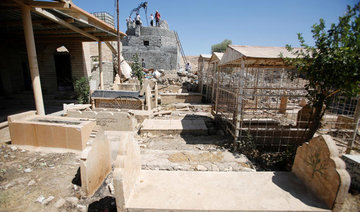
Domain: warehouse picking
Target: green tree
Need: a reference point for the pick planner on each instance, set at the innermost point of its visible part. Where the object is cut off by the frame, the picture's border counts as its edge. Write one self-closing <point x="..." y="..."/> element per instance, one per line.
<point x="220" y="47"/>
<point x="82" y="90"/>
<point x="136" y="68"/>
<point x="332" y="66"/>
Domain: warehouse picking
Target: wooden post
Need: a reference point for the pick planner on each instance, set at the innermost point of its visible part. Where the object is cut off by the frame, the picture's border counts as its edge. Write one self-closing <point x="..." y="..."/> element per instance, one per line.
<point x="240" y="102"/>
<point x="32" y="57"/>
<point x="217" y="92"/>
<point x="201" y="76"/>
<point x="156" y="95"/>
<point x="101" y="74"/>
<point x="118" y="39"/>
<point x="213" y="83"/>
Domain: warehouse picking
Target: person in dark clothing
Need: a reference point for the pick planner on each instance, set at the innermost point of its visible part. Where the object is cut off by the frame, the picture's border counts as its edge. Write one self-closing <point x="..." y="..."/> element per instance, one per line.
<point x="143" y="63"/>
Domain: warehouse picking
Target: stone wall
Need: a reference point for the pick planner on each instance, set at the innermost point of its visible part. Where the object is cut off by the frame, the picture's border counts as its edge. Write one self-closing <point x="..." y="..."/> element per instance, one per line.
<point x="171" y="98"/>
<point x="158" y="47"/>
<point x="14" y="68"/>
<point x="108" y="74"/>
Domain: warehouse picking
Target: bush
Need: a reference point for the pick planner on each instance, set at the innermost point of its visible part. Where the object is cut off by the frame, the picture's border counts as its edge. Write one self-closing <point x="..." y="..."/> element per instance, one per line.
<point x="221" y="47"/>
<point x="82" y="90"/>
<point x="137" y="70"/>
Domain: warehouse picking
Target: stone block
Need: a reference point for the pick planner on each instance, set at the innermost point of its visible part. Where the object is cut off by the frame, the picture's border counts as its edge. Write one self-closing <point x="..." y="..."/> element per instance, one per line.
<point x="51" y="131"/>
<point x="95" y="163"/>
<point x="319" y="167"/>
<point x="21" y="116"/>
<point x="304" y="115"/>
<point x="345" y="122"/>
<point x="127" y="173"/>
<point x="4" y="132"/>
<point x="283" y="104"/>
<point x="74" y="114"/>
<point x="171" y="98"/>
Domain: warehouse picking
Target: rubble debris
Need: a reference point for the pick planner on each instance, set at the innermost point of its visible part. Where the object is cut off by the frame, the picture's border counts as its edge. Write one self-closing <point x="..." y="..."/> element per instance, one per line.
<point x="59" y="203"/>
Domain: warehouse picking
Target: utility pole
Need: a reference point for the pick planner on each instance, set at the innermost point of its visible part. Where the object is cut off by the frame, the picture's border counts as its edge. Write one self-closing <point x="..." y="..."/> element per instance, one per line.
<point x="118" y="39"/>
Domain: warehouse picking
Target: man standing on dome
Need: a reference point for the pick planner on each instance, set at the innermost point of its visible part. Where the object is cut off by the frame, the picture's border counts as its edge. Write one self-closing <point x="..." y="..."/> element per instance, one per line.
<point x="157" y="18"/>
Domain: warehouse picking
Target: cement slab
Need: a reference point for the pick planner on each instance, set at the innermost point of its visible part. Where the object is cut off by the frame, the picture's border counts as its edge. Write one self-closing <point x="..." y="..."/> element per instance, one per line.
<point x="355" y="158"/>
<point x="225" y="191"/>
<point x="183" y="126"/>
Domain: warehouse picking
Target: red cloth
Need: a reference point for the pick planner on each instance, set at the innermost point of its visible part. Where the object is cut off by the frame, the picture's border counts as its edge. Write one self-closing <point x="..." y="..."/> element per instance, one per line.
<point x="157" y="15"/>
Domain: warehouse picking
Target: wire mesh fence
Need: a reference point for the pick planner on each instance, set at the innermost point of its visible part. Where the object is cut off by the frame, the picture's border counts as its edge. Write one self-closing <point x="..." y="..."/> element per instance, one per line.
<point x="268" y="107"/>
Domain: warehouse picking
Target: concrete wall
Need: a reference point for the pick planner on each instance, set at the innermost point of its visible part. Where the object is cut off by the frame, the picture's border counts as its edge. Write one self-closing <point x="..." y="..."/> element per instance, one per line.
<point x="108" y="74"/>
<point x="162" y="51"/>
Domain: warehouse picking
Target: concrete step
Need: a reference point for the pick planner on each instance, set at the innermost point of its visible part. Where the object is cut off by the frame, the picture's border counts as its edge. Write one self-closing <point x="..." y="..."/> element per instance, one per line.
<point x="174" y="127"/>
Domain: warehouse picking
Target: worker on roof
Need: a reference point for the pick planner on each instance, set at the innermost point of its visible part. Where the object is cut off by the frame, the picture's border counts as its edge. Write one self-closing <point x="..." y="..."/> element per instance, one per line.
<point x="157" y="18"/>
<point x="151" y="20"/>
<point x="138" y="19"/>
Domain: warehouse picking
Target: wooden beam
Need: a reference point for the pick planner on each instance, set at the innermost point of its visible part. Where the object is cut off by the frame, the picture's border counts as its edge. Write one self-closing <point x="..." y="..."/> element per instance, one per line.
<point x="113" y="50"/>
<point x="58" y="20"/>
<point x="69" y="20"/>
<point x="66" y="35"/>
<point x="49" y="5"/>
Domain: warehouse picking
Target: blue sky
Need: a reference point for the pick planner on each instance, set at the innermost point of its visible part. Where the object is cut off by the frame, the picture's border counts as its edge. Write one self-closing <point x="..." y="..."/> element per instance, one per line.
<point x="202" y="23"/>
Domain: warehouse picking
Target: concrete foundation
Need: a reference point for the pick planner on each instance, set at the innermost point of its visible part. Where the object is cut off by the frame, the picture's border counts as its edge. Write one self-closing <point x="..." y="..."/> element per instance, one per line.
<point x="141" y="190"/>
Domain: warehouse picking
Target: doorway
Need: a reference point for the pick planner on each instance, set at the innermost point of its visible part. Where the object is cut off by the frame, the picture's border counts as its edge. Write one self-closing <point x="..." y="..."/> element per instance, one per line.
<point x="63" y="69"/>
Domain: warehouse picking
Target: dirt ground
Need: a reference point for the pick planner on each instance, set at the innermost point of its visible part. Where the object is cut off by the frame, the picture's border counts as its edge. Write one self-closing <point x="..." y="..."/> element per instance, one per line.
<point x="32" y="180"/>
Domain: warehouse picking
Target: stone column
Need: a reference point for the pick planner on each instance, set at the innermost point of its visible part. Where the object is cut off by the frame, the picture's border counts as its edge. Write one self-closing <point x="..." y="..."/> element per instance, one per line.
<point x="32" y="57"/>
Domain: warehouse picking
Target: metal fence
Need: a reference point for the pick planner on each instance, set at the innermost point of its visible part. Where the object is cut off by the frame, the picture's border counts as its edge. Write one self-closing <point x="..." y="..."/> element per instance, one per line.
<point x="264" y="106"/>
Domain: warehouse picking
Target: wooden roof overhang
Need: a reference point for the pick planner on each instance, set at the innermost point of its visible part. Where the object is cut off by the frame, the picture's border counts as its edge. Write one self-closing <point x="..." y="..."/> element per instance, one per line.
<point x="53" y="21"/>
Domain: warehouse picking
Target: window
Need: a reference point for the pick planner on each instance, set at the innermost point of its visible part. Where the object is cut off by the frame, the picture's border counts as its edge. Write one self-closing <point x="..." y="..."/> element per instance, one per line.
<point x="146" y="43"/>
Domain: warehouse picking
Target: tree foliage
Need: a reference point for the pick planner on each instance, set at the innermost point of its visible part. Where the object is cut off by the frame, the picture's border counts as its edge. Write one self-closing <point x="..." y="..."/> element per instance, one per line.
<point x="221" y="47"/>
<point x="332" y="66"/>
<point x="82" y="90"/>
<point x="136" y="68"/>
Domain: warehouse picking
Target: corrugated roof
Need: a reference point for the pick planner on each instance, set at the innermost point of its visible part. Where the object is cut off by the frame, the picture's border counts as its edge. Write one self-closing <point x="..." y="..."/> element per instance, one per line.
<point x="262" y="51"/>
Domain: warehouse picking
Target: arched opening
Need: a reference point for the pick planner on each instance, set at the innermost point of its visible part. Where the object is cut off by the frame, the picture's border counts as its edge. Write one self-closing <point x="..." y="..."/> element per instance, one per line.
<point x="63" y="69"/>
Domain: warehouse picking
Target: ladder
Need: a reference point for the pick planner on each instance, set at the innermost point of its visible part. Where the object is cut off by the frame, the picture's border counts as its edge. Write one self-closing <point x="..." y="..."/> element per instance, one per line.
<point x="180" y="47"/>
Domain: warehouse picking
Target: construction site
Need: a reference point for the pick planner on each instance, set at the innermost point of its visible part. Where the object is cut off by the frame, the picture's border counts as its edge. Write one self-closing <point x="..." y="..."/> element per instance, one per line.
<point x="230" y="134"/>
